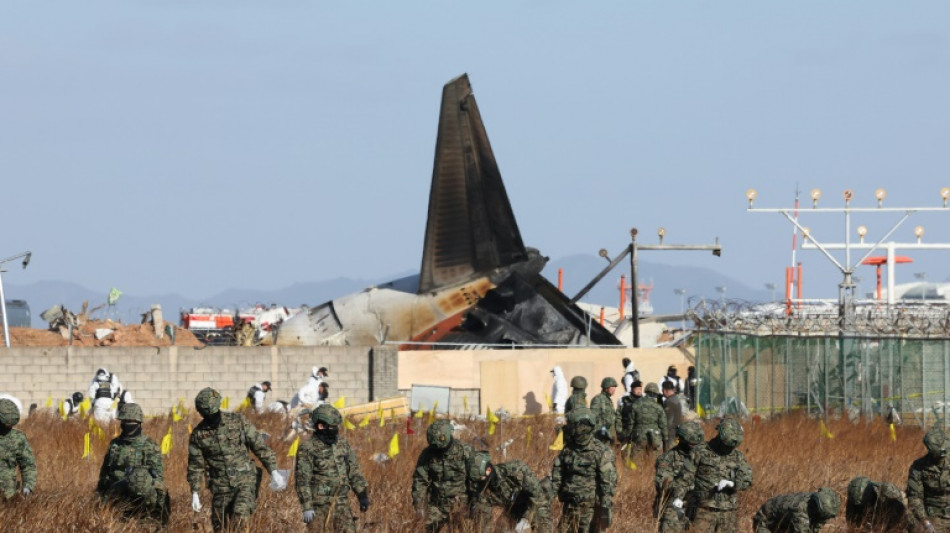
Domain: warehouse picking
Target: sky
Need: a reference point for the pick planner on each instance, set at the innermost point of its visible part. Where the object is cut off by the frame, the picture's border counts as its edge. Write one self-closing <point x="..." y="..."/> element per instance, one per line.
<point x="190" y="147"/>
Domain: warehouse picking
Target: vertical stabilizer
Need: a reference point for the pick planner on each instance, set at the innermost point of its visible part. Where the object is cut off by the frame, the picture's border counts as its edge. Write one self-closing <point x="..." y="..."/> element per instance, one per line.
<point x="471" y="228"/>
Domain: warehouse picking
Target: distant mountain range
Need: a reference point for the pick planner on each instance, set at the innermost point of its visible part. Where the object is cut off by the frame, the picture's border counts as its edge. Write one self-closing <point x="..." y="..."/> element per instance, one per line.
<point x="578" y="271"/>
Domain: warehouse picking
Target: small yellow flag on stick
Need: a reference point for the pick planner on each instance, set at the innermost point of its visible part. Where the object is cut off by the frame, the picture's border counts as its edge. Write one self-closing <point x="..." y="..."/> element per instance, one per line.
<point x="421" y="412"/>
<point x="86" y="452"/>
<point x="394" y="446"/>
<point x="167" y="442"/>
<point x="347" y="424"/>
<point x="465" y="403"/>
<point x="629" y="462"/>
<point x="340" y="403"/>
<point x="700" y="411"/>
<point x="62" y="410"/>
<point x="558" y="442"/>
<point x="49" y="401"/>
<point x="893" y="433"/>
<point x="824" y="430"/>
<point x="432" y="412"/>
<point x="225" y="403"/>
<point x="492" y="420"/>
<point x="92" y="422"/>
<point x="381" y="415"/>
<point x="84" y="407"/>
<point x="292" y="452"/>
<point x="175" y="416"/>
<point x="245" y="404"/>
<point x="547" y="400"/>
<point x="364" y="422"/>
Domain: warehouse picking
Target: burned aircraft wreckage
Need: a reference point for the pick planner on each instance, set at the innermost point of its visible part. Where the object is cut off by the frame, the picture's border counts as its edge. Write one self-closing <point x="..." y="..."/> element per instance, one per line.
<point x="478" y="285"/>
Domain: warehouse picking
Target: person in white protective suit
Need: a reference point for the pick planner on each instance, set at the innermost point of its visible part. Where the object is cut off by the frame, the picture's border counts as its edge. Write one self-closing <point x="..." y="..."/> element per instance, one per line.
<point x="257" y="394"/>
<point x="630" y="375"/>
<point x="104" y="390"/>
<point x="309" y="394"/>
<point x="559" y="391"/>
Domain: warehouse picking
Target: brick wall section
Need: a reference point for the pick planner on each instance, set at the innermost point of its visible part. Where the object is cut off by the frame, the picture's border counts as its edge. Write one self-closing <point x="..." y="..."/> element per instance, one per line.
<point x="385" y="369"/>
<point x="158" y="377"/>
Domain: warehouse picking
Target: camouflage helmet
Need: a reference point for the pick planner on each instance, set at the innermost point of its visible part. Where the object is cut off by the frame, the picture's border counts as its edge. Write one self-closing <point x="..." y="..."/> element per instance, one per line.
<point x="936" y="442"/>
<point x="652" y="388"/>
<point x="130" y="411"/>
<point x="9" y="414"/>
<point x="690" y="432"/>
<point x="439" y="434"/>
<point x="856" y="489"/>
<point x="581" y="415"/>
<point x="477" y="464"/>
<point x="140" y="481"/>
<point x="825" y="503"/>
<point x="730" y="432"/>
<point x="208" y="402"/>
<point x="891" y="492"/>
<point x="606" y="383"/>
<point x="327" y="415"/>
<point x="578" y="382"/>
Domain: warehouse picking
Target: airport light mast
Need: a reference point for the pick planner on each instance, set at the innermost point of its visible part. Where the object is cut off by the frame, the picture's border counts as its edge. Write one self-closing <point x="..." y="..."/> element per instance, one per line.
<point x="846" y="305"/>
<point x="3" y="302"/>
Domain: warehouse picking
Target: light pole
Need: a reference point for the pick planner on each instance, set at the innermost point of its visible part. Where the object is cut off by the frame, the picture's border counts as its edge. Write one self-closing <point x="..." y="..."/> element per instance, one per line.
<point x="3" y="302"/>
<point x="682" y="294"/>
<point x="771" y="287"/>
<point x="721" y="289"/>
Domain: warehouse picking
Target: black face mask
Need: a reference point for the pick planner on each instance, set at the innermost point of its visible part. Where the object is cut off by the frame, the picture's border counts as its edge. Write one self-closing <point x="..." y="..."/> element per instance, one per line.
<point x="213" y="419"/>
<point x="4" y="429"/>
<point x="328" y="434"/>
<point x="131" y="429"/>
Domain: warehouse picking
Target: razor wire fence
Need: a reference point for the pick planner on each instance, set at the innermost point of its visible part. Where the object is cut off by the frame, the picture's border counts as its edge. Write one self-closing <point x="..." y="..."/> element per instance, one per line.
<point x="896" y="364"/>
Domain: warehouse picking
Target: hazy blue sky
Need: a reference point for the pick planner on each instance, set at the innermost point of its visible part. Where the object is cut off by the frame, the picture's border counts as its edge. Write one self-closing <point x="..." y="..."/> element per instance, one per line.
<point x="193" y="146"/>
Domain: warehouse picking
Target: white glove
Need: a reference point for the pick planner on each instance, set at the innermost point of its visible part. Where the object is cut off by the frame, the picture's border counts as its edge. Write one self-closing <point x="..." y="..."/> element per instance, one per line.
<point x="278" y="480"/>
<point x="724" y="483"/>
<point x="678" y="503"/>
<point x="522" y="525"/>
<point x="308" y="516"/>
<point x="195" y="502"/>
<point x="27" y="491"/>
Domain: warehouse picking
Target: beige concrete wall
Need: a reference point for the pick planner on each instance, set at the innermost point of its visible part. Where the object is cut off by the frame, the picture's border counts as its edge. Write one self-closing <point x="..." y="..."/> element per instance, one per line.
<point x="518" y="380"/>
<point x="158" y="377"/>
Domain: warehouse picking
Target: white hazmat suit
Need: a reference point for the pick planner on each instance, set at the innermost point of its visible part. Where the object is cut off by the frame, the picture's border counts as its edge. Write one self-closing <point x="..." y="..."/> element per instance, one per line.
<point x="559" y="391"/>
<point x="309" y="394"/>
<point x="103" y="391"/>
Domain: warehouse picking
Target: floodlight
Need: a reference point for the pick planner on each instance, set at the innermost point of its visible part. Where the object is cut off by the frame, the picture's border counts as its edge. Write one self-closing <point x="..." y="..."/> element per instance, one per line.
<point x="661" y="232"/>
<point x="603" y="253"/>
<point x="751" y="194"/>
<point x="806" y="232"/>
<point x="862" y="231"/>
<point x="633" y="233"/>
<point x="880" y="194"/>
<point x="815" y="196"/>
<point x="919" y="232"/>
<point x="848" y="195"/>
<point x="945" y="194"/>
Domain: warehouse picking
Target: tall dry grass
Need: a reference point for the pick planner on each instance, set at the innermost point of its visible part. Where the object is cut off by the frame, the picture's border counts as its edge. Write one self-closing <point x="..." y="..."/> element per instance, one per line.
<point x="787" y="454"/>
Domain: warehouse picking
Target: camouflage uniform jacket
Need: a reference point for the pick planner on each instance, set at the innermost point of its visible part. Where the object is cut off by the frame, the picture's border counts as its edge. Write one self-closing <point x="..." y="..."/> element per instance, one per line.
<point x="676" y="408"/>
<point x="15" y="451"/>
<point x="127" y="453"/>
<point x="787" y="512"/>
<point x="625" y="417"/>
<point x="222" y="451"/>
<point x="577" y="399"/>
<point x="326" y="471"/>
<point x="649" y="415"/>
<point x="603" y="407"/>
<point x="711" y="468"/>
<point x="928" y="489"/>
<point x="440" y="476"/>
<point x="513" y="487"/>
<point x="675" y="474"/>
<point x="585" y="475"/>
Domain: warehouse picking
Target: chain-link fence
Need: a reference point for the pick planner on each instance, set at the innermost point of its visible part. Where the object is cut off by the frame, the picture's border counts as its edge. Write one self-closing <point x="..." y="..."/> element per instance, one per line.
<point x="765" y="370"/>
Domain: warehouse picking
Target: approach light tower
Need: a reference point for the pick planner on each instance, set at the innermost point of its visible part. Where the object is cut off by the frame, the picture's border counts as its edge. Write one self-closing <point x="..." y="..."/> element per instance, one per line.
<point x="3" y="302"/>
<point x="846" y="305"/>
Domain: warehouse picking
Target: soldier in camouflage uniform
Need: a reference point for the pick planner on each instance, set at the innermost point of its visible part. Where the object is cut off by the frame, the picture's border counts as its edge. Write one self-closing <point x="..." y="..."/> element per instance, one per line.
<point x="578" y="394"/>
<point x="584" y="477"/>
<point x="675" y="474"/>
<point x="721" y="472"/>
<point x="133" y="472"/>
<point x="219" y="447"/>
<point x="511" y="486"/>
<point x="15" y="452"/>
<point x="648" y="421"/>
<point x="625" y="411"/>
<point x="874" y="506"/>
<point x="928" y="485"/>
<point x="327" y="470"/>
<point x="603" y="407"/>
<point x="439" y="482"/>
<point x="798" y="512"/>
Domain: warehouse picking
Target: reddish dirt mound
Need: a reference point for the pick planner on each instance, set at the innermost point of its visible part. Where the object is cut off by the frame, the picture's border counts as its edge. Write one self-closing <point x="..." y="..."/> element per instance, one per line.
<point x="123" y="335"/>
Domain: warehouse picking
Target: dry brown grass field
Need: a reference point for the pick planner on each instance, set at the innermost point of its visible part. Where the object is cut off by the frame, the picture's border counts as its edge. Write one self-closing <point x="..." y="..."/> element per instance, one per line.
<point x="787" y="454"/>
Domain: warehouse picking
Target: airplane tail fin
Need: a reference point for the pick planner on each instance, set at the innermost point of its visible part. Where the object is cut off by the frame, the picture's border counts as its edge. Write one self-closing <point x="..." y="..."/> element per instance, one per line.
<point x="471" y="227"/>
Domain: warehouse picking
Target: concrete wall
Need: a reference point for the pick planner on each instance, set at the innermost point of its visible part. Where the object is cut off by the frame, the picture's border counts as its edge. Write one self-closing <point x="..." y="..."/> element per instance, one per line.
<point x="158" y="377"/>
<point x="519" y="380"/>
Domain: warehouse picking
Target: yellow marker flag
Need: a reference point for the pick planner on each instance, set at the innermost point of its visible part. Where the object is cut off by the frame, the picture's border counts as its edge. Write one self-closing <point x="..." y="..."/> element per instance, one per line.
<point x="86" y="452"/>
<point x="340" y="403"/>
<point x="225" y="403"/>
<point x="99" y="433"/>
<point x="527" y="436"/>
<point x="700" y="411"/>
<point x="167" y="442"/>
<point x="629" y="462"/>
<point x="380" y="415"/>
<point x="421" y="412"/>
<point x="492" y="420"/>
<point x="465" y="402"/>
<point x="824" y="430"/>
<point x="432" y="412"/>
<point x="189" y="429"/>
<point x="347" y="424"/>
<point x="292" y="452"/>
<point x="62" y="410"/>
<point x="547" y="400"/>
<point x="394" y="446"/>
<point x="246" y="404"/>
<point x="84" y="407"/>
<point x="92" y="423"/>
<point x="893" y="433"/>
<point x="115" y="404"/>
<point x="49" y="401"/>
<point x="175" y="416"/>
<point x="364" y="422"/>
<point x="558" y="442"/>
